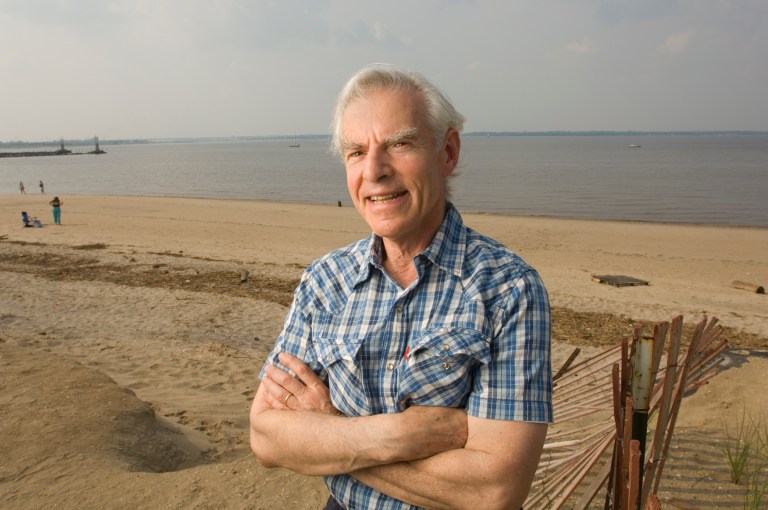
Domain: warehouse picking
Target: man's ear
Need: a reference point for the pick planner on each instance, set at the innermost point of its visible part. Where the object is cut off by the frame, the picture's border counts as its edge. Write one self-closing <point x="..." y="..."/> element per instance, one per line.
<point x="451" y="149"/>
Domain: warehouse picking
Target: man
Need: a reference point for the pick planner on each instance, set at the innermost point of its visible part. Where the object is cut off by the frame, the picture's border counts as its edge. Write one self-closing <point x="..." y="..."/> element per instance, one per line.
<point x="421" y="354"/>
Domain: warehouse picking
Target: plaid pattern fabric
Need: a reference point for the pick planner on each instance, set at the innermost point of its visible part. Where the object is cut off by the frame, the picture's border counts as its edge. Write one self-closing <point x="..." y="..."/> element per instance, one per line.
<point x="473" y="331"/>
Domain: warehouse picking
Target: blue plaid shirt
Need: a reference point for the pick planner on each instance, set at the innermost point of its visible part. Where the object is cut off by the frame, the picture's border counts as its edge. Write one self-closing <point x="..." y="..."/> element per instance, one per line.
<point x="472" y="331"/>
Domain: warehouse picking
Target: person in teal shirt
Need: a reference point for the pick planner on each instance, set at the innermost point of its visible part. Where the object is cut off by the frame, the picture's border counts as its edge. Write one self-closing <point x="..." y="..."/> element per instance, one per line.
<point x="56" y="204"/>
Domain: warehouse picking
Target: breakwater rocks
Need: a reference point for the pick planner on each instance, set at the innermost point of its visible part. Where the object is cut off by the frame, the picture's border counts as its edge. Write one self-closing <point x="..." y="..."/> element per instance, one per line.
<point x="60" y="152"/>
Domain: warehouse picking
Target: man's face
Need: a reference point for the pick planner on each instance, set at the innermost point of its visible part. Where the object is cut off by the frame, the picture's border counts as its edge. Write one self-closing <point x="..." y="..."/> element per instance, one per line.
<point x="395" y="174"/>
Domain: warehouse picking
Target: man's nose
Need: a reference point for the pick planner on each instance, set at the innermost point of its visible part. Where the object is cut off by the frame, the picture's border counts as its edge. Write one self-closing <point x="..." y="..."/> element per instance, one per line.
<point x="378" y="165"/>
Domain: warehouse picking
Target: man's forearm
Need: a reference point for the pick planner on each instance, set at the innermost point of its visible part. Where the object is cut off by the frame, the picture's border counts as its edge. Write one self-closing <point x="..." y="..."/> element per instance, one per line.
<point x="320" y="444"/>
<point x="445" y="481"/>
<point x="316" y="444"/>
<point x="464" y="478"/>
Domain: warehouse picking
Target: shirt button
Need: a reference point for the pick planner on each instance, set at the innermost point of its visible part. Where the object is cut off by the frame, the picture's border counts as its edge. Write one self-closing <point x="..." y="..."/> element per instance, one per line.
<point x="446" y="347"/>
<point x="390" y="366"/>
<point x="446" y="366"/>
<point x="399" y="309"/>
<point x="328" y="359"/>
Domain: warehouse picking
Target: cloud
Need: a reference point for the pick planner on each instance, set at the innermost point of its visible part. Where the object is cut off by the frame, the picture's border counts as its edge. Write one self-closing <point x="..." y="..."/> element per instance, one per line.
<point x="677" y="43"/>
<point x="582" y="47"/>
<point x="383" y="34"/>
<point x="380" y="31"/>
<point x="474" y="66"/>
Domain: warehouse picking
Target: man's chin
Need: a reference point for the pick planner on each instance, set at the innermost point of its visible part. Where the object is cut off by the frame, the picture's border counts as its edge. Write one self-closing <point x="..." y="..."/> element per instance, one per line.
<point x="388" y="229"/>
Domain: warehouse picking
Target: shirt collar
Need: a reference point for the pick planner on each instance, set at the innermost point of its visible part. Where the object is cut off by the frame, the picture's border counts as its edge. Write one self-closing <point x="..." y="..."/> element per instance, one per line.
<point x="446" y="250"/>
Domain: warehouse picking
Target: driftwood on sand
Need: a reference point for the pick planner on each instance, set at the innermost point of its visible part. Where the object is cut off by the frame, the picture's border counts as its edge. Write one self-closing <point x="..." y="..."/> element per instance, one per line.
<point x="751" y="287"/>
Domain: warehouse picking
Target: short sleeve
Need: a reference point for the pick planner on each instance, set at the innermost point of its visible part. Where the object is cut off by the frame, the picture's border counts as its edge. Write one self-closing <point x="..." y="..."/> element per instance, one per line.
<point x="517" y="382"/>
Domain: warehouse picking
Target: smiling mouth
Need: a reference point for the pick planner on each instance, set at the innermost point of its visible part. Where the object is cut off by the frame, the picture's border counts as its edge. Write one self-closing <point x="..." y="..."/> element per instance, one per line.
<point x="385" y="198"/>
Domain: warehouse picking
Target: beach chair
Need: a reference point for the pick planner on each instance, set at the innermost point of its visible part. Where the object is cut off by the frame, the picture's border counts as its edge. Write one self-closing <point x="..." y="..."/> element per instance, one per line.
<point x="25" y="219"/>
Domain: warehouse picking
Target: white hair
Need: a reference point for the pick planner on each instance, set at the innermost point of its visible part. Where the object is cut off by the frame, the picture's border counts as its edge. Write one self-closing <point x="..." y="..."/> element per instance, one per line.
<point x="442" y="115"/>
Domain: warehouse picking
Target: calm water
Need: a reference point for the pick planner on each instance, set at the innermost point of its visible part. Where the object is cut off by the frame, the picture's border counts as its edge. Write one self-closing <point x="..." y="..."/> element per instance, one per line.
<point x="681" y="179"/>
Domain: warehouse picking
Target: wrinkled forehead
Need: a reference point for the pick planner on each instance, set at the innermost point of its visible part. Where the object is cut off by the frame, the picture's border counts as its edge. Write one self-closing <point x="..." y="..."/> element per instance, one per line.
<point x="392" y="108"/>
<point x="405" y="97"/>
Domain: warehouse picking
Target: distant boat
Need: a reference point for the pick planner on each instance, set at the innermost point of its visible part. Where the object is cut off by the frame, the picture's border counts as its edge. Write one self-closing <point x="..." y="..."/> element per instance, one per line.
<point x="634" y="146"/>
<point x="295" y="146"/>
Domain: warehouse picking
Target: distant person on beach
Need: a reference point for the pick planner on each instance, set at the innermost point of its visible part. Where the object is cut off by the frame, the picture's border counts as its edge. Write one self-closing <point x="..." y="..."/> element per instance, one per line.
<point x="56" y="204"/>
<point x="42" y="188"/>
<point x="21" y="188"/>
<point x="421" y="354"/>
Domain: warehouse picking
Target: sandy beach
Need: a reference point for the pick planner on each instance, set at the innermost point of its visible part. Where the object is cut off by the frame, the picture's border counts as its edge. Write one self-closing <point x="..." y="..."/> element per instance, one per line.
<point x="131" y="338"/>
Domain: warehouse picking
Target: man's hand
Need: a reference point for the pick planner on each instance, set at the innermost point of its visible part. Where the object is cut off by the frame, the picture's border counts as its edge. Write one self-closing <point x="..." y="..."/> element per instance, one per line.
<point x="307" y="393"/>
<point x="425" y="431"/>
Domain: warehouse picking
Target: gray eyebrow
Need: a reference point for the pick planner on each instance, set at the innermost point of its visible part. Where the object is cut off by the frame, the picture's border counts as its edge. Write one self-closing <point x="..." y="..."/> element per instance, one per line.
<point x="410" y="133"/>
<point x="398" y="136"/>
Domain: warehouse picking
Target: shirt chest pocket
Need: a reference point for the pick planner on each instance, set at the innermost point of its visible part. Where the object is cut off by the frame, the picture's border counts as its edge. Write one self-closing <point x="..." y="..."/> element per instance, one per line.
<point x="439" y="370"/>
<point x="339" y="355"/>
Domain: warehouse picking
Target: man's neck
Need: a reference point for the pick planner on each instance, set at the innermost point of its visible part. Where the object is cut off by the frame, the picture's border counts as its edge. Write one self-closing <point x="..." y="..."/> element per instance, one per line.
<point x="399" y="266"/>
<point x="398" y="254"/>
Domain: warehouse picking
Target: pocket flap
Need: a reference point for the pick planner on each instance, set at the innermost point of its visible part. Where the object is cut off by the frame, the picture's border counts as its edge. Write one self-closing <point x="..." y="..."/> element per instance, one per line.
<point x="330" y="351"/>
<point x="454" y="342"/>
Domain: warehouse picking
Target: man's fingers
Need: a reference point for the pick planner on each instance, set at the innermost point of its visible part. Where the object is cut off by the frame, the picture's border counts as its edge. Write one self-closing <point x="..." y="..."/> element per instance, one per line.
<point x="299" y="368"/>
<point x="274" y="393"/>
<point x="285" y="380"/>
<point x="311" y="392"/>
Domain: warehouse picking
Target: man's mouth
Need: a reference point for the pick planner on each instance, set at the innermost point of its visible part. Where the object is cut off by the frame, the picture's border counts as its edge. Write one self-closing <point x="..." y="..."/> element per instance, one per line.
<point x="384" y="198"/>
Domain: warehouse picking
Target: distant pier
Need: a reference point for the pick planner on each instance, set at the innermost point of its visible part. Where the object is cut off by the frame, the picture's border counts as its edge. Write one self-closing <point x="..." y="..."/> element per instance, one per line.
<point x="61" y="151"/>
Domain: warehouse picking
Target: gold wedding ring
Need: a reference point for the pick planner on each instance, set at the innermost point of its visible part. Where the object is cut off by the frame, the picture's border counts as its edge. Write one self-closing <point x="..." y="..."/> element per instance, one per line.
<point x="285" y="400"/>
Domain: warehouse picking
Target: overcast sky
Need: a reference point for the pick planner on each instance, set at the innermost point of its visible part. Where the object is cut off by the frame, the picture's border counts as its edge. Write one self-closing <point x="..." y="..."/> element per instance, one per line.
<point x="177" y="68"/>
